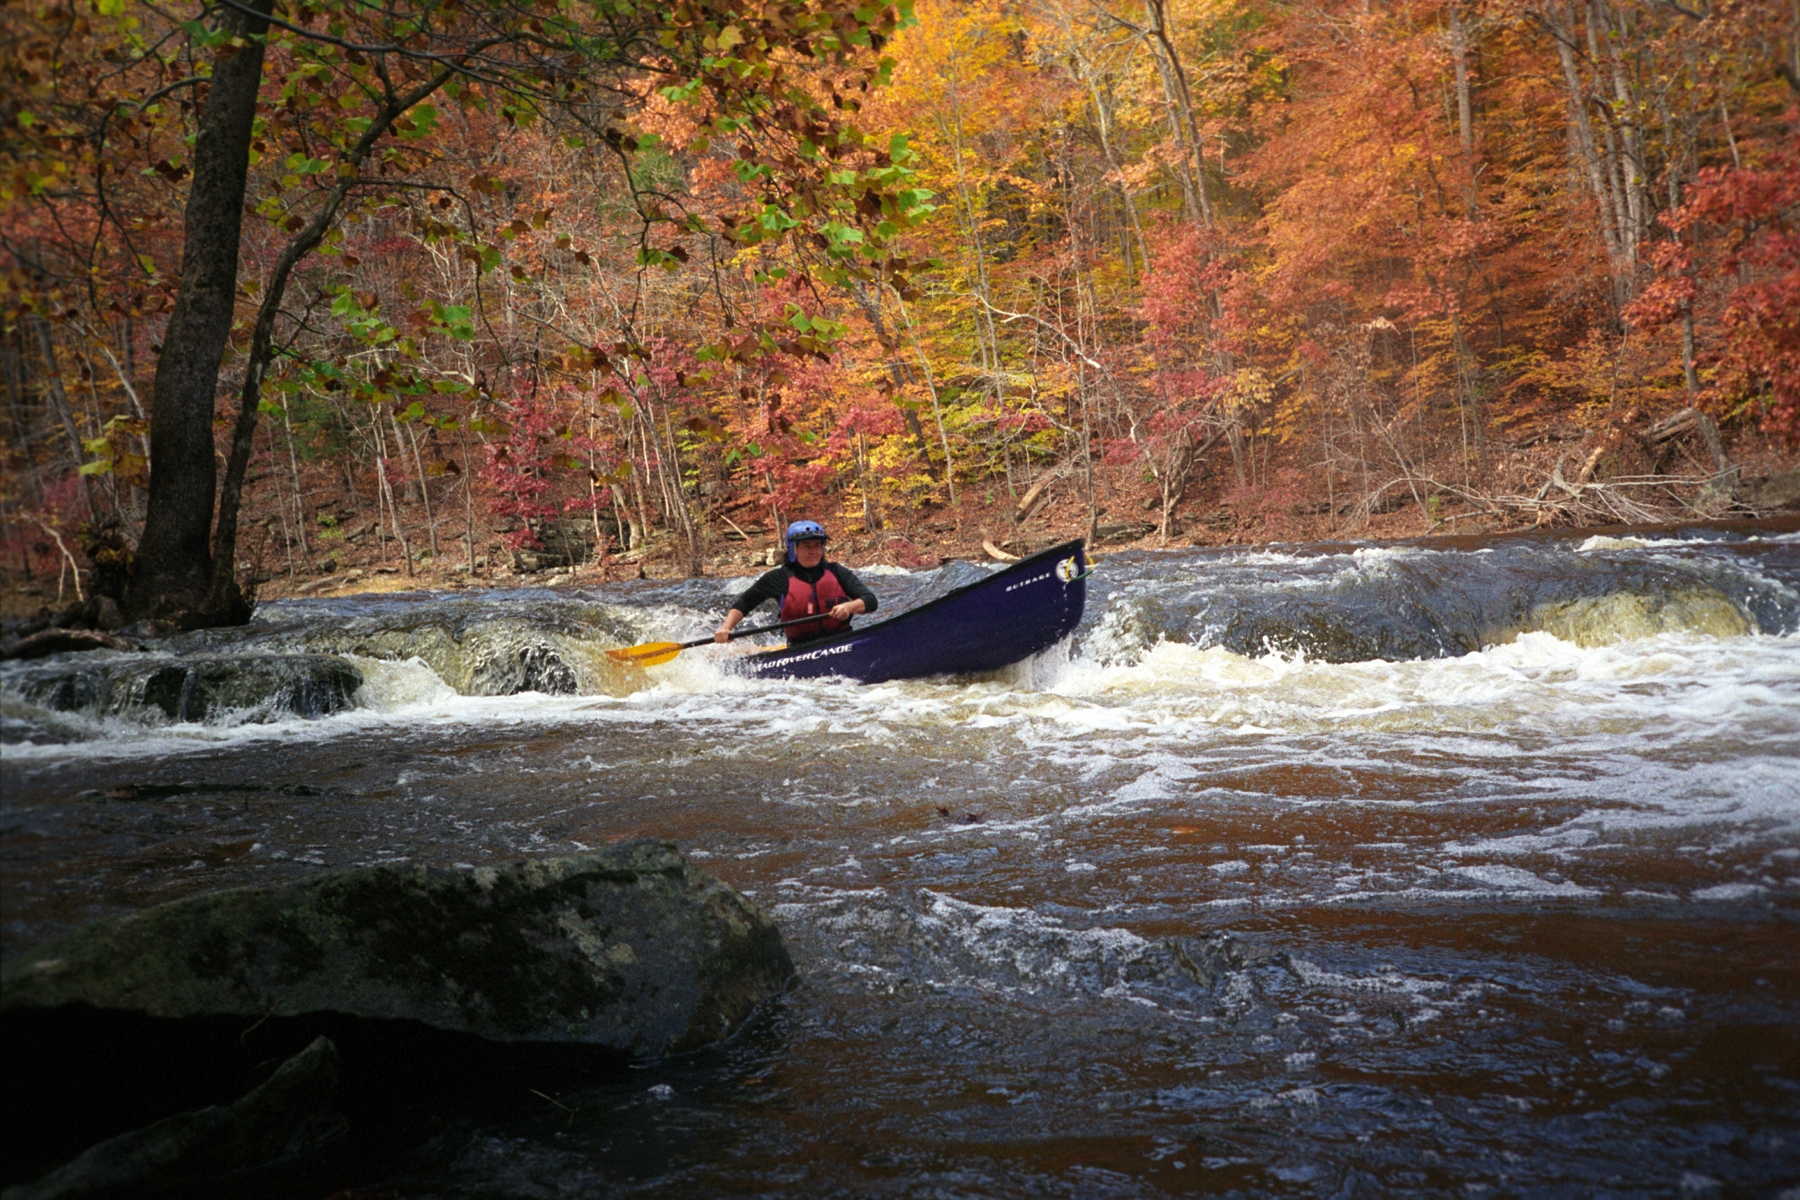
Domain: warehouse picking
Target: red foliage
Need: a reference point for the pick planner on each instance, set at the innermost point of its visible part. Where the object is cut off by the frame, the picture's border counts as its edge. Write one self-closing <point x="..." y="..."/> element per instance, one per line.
<point x="529" y="471"/>
<point x="1742" y="224"/>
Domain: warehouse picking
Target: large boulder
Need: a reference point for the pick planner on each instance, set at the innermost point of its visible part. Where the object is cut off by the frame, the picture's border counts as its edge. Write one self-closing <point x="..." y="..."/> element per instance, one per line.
<point x="631" y="950"/>
<point x="156" y="1030"/>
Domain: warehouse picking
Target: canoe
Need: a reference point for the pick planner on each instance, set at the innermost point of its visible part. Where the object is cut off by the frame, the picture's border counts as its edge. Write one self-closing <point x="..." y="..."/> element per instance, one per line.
<point x="983" y="626"/>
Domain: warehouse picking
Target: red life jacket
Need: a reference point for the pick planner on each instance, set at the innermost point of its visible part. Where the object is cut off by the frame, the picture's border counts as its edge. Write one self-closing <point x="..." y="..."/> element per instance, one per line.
<point x="803" y="599"/>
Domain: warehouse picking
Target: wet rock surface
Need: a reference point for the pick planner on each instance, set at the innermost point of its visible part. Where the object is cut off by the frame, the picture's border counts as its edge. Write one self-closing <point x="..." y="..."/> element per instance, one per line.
<point x="630" y="949"/>
<point x="423" y="978"/>
<point x="250" y="687"/>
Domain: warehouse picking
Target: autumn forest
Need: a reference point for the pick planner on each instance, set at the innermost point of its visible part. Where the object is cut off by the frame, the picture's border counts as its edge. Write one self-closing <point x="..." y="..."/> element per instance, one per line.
<point x="475" y="286"/>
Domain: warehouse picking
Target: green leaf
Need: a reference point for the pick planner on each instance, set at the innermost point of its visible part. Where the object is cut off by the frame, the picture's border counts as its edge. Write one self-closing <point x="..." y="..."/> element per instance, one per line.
<point x="420" y="121"/>
<point x="458" y="321"/>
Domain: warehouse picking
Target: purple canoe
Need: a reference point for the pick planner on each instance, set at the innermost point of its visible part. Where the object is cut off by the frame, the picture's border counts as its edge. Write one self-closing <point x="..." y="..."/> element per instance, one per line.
<point x="983" y="626"/>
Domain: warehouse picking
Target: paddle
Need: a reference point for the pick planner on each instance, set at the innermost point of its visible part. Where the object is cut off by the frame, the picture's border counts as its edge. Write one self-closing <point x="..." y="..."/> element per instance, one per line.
<point x="651" y="654"/>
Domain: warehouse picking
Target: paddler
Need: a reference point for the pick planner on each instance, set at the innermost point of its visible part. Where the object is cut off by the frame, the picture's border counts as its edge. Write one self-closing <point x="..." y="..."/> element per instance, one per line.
<point x="806" y="584"/>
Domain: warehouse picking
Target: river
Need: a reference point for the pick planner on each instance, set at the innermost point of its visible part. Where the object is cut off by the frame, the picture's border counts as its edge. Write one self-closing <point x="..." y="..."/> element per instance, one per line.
<point x="1449" y="868"/>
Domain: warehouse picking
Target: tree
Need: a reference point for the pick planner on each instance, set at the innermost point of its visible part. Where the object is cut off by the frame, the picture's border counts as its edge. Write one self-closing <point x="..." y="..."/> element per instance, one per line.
<point x="337" y="95"/>
<point x="173" y="575"/>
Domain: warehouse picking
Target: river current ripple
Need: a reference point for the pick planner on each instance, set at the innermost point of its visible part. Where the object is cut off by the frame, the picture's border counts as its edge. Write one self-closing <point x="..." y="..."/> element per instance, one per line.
<point x="1452" y="868"/>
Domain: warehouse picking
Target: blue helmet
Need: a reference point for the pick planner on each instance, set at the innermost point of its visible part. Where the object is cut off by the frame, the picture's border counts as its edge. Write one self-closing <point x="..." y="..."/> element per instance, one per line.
<point x="801" y="530"/>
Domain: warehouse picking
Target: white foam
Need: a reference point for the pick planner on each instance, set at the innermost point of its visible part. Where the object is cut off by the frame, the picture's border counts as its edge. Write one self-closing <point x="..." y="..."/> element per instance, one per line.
<point x="1731" y="891"/>
<point x="389" y="686"/>
<point x="1516" y="879"/>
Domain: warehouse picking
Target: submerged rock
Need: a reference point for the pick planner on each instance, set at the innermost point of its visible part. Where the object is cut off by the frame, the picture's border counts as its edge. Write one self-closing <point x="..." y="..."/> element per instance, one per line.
<point x="631" y="949"/>
<point x="1606" y="620"/>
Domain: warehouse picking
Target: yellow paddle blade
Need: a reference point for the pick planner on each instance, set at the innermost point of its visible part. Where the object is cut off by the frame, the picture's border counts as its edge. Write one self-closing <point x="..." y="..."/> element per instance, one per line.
<point x="650" y="654"/>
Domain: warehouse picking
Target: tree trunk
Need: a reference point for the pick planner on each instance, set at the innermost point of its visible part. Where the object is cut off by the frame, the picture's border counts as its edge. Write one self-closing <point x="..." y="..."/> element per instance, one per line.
<point x="931" y="390"/>
<point x="870" y="303"/>
<point x="1133" y="240"/>
<point x="385" y="491"/>
<point x="1465" y="105"/>
<point x="287" y="426"/>
<point x="59" y="404"/>
<point x="262" y="334"/>
<point x="412" y="441"/>
<point x="1587" y="149"/>
<point x="1181" y="115"/>
<point x="173" y="573"/>
<point x="970" y="210"/>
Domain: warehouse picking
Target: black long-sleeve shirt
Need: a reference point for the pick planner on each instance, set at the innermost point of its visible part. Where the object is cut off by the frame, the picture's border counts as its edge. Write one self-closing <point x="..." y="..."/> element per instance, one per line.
<point x="773" y="585"/>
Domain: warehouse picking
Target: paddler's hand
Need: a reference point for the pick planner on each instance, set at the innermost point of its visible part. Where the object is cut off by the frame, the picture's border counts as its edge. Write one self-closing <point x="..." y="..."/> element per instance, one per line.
<point x="846" y="610"/>
<point x="722" y="634"/>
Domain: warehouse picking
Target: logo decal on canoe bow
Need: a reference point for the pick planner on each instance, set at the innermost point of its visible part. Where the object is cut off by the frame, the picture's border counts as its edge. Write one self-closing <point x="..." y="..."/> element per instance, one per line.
<point x="812" y="654"/>
<point x="1068" y="570"/>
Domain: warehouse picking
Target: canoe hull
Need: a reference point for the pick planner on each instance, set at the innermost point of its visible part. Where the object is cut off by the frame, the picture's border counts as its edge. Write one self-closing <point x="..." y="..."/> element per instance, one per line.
<point x="989" y="624"/>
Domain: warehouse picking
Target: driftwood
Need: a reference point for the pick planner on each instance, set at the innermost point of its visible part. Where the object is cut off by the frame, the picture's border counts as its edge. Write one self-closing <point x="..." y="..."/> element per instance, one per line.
<point x="1581" y="498"/>
<point x="1035" y="492"/>
<point x="1626" y="499"/>
<point x="996" y="552"/>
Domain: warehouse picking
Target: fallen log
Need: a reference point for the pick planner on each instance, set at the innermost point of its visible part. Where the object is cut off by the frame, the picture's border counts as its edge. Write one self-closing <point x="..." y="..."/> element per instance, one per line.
<point x="1659" y="434"/>
<point x="46" y="642"/>
<point x="1035" y="493"/>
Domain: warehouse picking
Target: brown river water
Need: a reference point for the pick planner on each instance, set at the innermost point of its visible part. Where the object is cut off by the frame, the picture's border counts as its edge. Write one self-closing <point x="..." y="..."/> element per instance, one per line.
<point x="1442" y="869"/>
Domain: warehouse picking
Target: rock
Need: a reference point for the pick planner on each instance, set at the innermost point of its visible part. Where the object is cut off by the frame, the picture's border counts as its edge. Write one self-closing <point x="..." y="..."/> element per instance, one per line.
<point x="260" y="686"/>
<point x="560" y="542"/>
<point x="1124" y="532"/>
<point x="492" y="659"/>
<point x="431" y="983"/>
<point x="287" y="1119"/>
<point x="107" y="614"/>
<point x="535" y="652"/>
<point x="631" y="950"/>
<point x="1777" y="493"/>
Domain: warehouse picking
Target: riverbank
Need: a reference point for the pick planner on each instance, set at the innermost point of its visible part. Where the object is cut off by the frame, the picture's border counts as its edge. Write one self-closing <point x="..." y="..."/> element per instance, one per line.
<point x="1768" y="496"/>
<point x="1530" y="488"/>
